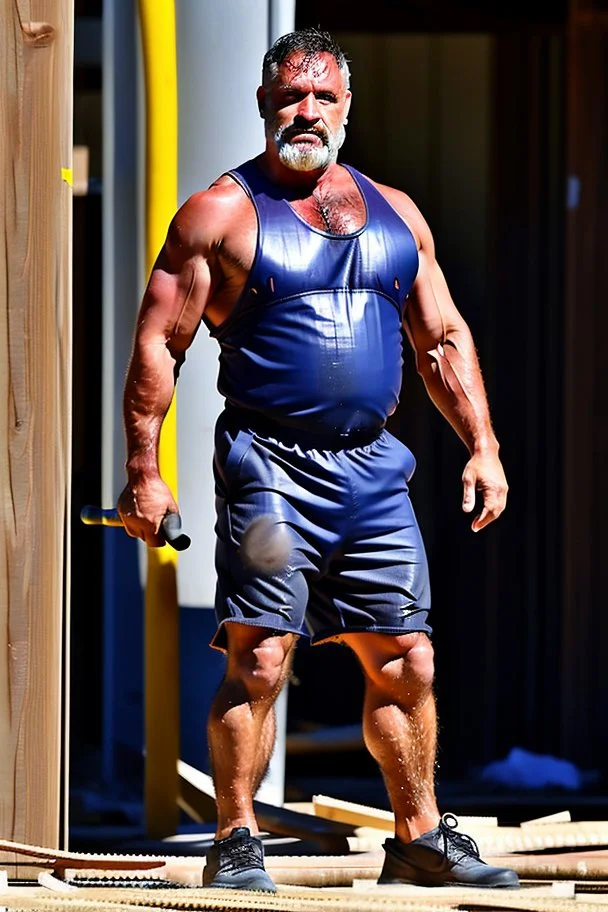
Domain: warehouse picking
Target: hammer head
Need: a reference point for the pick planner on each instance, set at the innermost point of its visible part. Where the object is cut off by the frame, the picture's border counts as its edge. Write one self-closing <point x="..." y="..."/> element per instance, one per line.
<point x="266" y="545"/>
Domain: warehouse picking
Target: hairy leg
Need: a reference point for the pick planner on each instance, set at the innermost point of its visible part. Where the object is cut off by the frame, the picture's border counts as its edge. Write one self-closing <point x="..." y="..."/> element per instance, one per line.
<point x="241" y="726"/>
<point x="400" y="724"/>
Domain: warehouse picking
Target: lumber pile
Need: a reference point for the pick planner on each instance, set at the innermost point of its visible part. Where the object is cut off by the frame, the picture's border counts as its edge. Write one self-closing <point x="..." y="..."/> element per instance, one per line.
<point x="563" y="866"/>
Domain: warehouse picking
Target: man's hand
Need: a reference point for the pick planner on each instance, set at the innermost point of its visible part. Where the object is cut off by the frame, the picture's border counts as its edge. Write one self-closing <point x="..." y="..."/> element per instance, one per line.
<point x="484" y="473"/>
<point x="142" y="508"/>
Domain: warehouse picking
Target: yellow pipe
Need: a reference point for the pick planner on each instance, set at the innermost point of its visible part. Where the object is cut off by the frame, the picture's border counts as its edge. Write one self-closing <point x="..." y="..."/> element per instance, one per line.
<point x="157" y="23"/>
<point x="157" y="19"/>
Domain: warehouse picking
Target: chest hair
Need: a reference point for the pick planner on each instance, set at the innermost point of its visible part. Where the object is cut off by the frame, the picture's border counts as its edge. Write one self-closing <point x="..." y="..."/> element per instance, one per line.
<point x="336" y="213"/>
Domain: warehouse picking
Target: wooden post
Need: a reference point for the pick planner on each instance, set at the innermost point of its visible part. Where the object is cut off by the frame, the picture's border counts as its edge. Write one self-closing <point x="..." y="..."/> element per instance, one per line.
<point x="35" y="393"/>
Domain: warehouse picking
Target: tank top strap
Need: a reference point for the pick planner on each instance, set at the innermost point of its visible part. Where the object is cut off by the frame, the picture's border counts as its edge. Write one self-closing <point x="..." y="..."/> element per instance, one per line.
<point x="377" y="204"/>
<point x="253" y="180"/>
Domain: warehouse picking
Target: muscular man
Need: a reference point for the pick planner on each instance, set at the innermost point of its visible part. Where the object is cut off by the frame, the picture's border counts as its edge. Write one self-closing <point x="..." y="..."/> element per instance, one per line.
<point x="305" y="271"/>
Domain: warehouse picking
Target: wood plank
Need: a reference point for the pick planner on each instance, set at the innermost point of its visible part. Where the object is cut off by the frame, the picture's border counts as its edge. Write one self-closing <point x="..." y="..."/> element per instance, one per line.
<point x="360" y="815"/>
<point x="579" y="834"/>
<point x="355" y="814"/>
<point x="558" y="817"/>
<point x="579" y="866"/>
<point x="35" y="389"/>
<point x="197" y="790"/>
<point x="81" y="170"/>
<point x="303" y="899"/>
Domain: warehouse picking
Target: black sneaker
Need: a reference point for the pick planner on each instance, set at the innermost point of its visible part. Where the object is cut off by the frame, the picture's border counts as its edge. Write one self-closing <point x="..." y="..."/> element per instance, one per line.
<point x="441" y="857"/>
<point x="237" y="863"/>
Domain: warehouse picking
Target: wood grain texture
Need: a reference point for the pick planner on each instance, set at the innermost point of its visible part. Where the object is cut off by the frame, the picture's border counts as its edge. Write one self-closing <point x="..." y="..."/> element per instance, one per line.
<point x="35" y="392"/>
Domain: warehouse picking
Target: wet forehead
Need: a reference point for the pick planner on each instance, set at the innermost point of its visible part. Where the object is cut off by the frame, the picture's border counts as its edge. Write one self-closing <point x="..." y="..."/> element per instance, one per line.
<point x="301" y="69"/>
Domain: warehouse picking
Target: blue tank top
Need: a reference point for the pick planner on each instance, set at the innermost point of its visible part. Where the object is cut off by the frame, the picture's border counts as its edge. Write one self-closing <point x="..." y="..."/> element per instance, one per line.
<point x="315" y="340"/>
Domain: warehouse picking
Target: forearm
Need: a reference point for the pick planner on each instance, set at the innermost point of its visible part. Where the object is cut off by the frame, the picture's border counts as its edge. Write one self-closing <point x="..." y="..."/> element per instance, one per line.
<point x="147" y="396"/>
<point x="452" y="376"/>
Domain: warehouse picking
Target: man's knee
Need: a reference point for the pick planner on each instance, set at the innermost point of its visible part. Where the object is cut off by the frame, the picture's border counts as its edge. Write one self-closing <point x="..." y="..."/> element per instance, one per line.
<point x="401" y="666"/>
<point x="259" y="659"/>
<point x="408" y="673"/>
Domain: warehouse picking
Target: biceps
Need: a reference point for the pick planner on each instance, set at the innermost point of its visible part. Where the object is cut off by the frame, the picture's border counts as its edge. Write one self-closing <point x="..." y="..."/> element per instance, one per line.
<point x="173" y="305"/>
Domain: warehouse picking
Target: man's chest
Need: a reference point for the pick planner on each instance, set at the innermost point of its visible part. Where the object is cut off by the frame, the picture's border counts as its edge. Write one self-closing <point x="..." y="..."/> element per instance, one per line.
<point x="332" y="211"/>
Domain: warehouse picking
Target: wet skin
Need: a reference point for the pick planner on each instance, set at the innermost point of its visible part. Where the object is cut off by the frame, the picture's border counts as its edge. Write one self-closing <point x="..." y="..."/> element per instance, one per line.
<point x="202" y="269"/>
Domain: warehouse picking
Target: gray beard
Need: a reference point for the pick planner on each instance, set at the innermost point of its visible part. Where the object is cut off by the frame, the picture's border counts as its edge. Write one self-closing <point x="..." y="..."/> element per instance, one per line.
<point x="308" y="157"/>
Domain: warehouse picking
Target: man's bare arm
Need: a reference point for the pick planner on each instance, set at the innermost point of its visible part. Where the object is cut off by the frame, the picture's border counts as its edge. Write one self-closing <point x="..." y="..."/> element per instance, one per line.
<point x="179" y="288"/>
<point x="447" y="361"/>
<point x="174" y="291"/>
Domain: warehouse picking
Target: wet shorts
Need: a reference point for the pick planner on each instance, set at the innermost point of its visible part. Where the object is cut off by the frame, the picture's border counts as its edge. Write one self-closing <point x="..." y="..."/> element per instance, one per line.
<point x="357" y="562"/>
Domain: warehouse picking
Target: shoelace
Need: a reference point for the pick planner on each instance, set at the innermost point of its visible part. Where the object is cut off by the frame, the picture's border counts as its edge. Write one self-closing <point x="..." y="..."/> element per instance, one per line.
<point x="241" y="856"/>
<point x="464" y="844"/>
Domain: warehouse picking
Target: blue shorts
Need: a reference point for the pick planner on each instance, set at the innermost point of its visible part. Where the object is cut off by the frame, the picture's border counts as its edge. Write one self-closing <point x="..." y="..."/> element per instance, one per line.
<point x="358" y="562"/>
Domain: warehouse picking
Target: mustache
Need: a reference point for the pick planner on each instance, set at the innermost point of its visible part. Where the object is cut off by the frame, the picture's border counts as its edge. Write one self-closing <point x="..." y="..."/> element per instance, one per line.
<point x="286" y="133"/>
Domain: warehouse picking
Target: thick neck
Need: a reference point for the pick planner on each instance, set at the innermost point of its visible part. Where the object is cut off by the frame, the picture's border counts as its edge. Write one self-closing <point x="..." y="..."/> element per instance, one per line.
<point x="301" y="183"/>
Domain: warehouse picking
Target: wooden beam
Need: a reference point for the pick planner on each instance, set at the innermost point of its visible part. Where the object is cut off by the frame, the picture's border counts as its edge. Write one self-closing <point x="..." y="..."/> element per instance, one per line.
<point x="360" y="815"/>
<point x="355" y="814"/>
<point x="35" y="391"/>
<point x="558" y="817"/>
<point x="197" y="797"/>
<point x="81" y="170"/>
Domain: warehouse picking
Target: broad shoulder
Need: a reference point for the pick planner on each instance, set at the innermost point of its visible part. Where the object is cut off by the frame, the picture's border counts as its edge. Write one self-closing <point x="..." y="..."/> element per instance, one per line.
<point x="409" y="212"/>
<point x="209" y="218"/>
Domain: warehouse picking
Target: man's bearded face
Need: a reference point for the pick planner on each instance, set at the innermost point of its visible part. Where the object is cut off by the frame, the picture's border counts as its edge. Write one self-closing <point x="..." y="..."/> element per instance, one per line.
<point x="304" y="155"/>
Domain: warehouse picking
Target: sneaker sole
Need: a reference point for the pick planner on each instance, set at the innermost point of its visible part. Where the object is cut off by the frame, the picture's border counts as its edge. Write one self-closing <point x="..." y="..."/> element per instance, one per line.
<point x="234" y="887"/>
<point x="239" y="887"/>
<point x="448" y="883"/>
<point x="259" y="883"/>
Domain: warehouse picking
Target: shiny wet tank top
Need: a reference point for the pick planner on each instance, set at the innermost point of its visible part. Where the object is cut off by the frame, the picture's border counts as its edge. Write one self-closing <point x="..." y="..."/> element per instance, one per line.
<point x="315" y="340"/>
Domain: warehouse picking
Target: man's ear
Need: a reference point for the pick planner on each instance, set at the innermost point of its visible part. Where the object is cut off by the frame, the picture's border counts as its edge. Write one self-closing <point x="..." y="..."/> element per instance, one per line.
<point x="261" y="95"/>
<point x="347" y="106"/>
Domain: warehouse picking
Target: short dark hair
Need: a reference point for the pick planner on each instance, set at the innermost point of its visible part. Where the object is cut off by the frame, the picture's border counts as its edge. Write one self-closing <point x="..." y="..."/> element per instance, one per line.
<point x="311" y="41"/>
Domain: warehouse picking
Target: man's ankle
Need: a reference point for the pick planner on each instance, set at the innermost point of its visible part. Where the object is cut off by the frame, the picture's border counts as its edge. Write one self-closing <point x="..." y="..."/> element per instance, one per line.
<point x="225" y="829"/>
<point x="413" y="827"/>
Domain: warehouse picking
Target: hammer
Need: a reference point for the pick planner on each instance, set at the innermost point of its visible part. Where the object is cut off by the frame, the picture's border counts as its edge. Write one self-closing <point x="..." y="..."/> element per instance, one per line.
<point x="171" y="526"/>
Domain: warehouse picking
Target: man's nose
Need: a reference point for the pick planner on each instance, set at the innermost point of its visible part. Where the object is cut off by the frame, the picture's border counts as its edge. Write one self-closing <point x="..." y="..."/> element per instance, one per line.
<point x="308" y="110"/>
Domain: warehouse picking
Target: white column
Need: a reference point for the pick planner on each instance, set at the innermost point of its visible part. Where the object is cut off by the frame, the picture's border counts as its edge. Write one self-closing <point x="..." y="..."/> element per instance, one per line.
<point x="121" y="230"/>
<point x="220" y="51"/>
<point x="282" y="16"/>
<point x="122" y="288"/>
